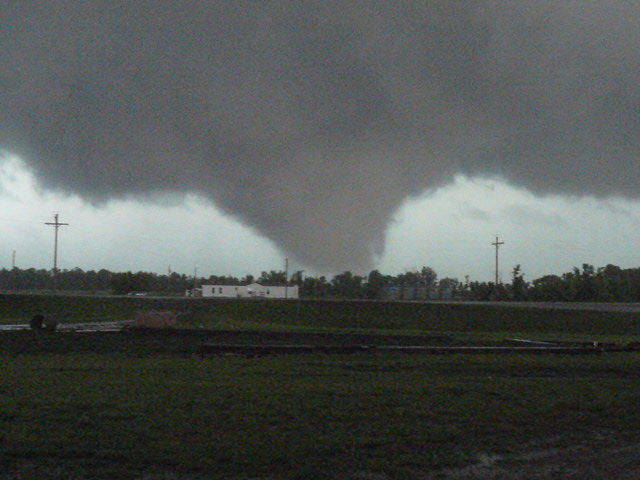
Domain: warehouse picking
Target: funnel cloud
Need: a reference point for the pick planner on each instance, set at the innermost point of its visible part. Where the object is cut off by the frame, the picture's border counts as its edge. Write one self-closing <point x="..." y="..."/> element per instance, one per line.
<point x="313" y="121"/>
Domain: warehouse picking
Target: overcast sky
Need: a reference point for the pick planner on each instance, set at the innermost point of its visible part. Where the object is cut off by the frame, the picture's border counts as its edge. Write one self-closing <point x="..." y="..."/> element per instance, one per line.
<point x="450" y="230"/>
<point x="342" y="135"/>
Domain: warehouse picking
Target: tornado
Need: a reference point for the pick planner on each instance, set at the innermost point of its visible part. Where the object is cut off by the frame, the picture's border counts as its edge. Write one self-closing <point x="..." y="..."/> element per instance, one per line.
<point x="314" y="121"/>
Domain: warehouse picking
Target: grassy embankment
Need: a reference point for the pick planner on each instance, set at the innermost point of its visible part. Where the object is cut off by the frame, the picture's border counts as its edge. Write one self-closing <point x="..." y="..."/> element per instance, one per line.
<point x="475" y="321"/>
<point x="125" y="407"/>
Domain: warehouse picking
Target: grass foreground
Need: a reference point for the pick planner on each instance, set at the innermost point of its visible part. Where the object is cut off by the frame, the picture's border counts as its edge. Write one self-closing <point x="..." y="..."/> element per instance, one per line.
<point x="146" y="406"/>
<point x="291" y="417"/>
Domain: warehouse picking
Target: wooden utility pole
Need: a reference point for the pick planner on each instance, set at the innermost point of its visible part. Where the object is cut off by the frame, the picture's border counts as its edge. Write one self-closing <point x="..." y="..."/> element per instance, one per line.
<point x="497" y="245"/>
<point x="286" y="278"/>
<point x="56" y="224"/>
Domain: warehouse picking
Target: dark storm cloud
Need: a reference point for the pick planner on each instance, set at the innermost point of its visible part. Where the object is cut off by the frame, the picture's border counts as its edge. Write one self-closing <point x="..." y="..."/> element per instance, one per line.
<point x="313" y="121"/>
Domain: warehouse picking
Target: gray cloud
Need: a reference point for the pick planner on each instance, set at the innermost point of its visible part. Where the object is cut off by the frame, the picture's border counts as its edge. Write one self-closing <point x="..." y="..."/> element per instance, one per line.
<point x="313" y="121"/>
<point x="527" y="215"/>
<point x="472" y="212"/>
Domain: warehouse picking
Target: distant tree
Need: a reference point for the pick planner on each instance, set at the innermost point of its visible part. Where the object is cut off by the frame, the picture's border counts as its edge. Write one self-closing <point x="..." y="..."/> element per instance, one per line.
<point x="347" y="285"/>
<point x="587" y="290"/>
<point x="273" y="278"/>
<point x="550" y="288"/>
<point x="375" y="285"/>
<point x="632" y="284"/>
<point x="500" y="293"/>
<point x="297" y="278"/>
<point x="122" y="283"/>
<point x="448" y="288"/>
<point x="105" y="279"/>
<point x="610" y="283"/>
<point x="480" y="291"/>
<point x="464" y="289"/>
<point x="227" y="280"/>
<point x="176" y="283"/>
<point x="316" y="287"/>
<point x="409" y="283"/>
<point x="429" y="279"/>
<point x="518" y="287"/>
<point x="32" y="279"/>
<point x="73" y="279"/>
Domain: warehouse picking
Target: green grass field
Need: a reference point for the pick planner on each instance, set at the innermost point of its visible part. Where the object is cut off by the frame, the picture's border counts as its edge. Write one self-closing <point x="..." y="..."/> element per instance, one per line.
<point x="116" y="416"/>
<point x="123" y="406"/>
<point x="490" y="321"/>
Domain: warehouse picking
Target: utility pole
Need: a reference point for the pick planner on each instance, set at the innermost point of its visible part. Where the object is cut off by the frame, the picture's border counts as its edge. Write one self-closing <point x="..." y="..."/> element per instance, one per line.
<point x="286" y="278"/>
<point x="497" y="245"/>
<point x="13" y="271"/>
<point x="56" y="224"/>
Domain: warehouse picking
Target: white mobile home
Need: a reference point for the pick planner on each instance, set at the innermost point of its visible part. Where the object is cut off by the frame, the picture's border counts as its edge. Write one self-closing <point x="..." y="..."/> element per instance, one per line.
<point x="255" y="290"/>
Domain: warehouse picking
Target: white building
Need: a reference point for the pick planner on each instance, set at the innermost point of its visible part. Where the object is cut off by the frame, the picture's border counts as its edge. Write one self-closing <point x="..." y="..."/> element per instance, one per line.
<point x="255" y="290"/>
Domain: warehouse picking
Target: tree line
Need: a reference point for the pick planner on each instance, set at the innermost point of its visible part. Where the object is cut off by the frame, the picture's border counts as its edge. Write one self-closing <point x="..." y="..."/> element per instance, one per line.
<point x="586" y="284"/>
